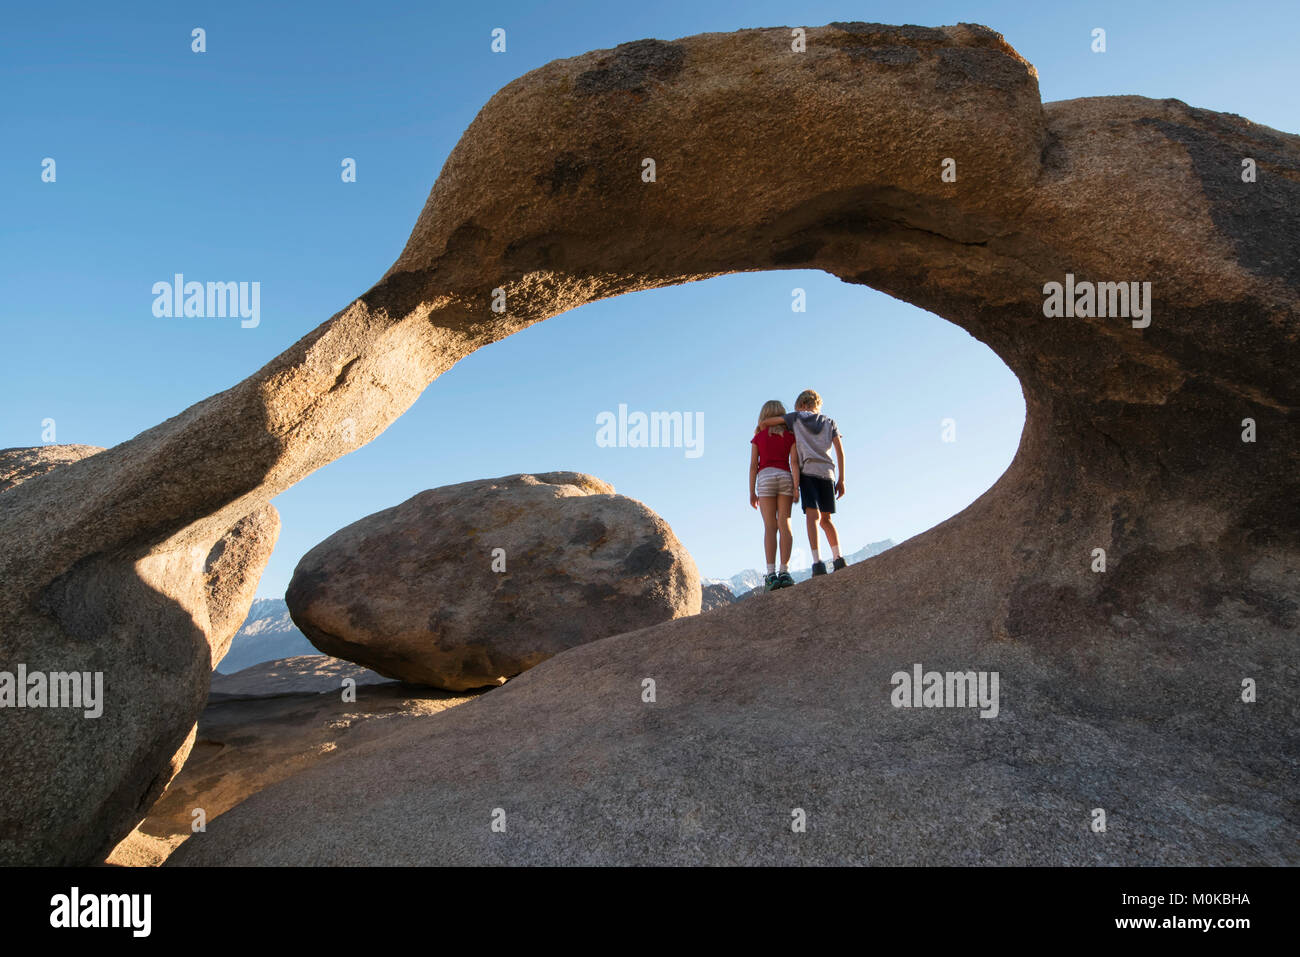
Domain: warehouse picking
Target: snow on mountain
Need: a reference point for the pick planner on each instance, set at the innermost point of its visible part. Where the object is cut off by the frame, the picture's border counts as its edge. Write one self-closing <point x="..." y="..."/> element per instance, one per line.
<point x="268" y="633"/>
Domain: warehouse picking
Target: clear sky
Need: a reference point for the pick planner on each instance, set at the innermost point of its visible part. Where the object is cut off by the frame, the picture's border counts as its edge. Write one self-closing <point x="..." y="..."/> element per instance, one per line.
<point x="225" y="165"/>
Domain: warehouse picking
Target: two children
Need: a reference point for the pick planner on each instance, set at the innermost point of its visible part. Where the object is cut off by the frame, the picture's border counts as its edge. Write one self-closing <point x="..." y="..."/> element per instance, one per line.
<point x="791" y="459"/>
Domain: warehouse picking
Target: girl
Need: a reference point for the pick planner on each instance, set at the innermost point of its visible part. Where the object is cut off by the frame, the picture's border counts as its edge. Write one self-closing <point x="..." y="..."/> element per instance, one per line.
<point x="773" y="488"/>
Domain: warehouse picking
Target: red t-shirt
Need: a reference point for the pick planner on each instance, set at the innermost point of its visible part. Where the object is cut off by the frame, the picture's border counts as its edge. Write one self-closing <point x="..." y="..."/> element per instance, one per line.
<point x="773" y="450"/>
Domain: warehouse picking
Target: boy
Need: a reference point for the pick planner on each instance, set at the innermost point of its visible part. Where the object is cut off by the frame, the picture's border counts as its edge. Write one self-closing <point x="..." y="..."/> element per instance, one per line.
<point x="815" y="435"/>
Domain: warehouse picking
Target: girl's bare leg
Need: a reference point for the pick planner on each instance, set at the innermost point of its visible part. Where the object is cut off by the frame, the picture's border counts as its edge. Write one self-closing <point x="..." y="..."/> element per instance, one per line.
<point x="783" y="504"/>
<point x="768" y="507"/>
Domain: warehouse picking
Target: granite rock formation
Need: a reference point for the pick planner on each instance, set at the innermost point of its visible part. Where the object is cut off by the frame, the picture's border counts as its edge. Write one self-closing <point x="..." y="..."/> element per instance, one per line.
<point x="1121" y="689"/>
<point x="153" y="622"/>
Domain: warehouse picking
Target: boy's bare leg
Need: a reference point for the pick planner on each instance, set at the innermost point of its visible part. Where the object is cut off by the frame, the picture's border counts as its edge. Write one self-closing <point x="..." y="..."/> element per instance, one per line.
<point x="828" y="526"/>
<point x="783" y="503"/>
<point x="811" y="518"/>
<point x="768" y="507"/>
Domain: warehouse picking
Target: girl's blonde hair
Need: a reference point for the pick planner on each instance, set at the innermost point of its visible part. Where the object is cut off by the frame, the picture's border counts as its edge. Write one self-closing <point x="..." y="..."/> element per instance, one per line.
<point x="772" y="407"/>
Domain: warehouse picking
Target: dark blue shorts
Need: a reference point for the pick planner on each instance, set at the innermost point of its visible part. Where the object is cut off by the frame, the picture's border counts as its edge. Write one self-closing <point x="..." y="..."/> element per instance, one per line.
<point x="818" y="493"/>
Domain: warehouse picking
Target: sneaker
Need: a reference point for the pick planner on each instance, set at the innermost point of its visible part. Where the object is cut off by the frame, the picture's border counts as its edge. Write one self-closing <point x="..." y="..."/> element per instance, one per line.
<point x="819" y="569"/>
<point x="783" y="580"/>
<point x="771" y="582"/>
<point x="838" y="564"/>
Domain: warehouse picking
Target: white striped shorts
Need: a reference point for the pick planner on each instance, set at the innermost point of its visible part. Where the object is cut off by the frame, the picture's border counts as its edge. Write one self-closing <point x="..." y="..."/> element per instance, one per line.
<point x="773" y="482"/>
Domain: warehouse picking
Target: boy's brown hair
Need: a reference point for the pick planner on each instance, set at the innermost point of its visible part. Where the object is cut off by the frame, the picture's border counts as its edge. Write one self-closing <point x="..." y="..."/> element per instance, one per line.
<point x="809" y="399"/>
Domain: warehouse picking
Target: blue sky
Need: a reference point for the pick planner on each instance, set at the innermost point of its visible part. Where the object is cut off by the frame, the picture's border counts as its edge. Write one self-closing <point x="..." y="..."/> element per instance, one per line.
<point x="225" y="166"/>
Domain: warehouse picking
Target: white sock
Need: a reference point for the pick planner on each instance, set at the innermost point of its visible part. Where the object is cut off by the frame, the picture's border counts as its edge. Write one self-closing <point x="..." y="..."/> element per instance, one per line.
<point x="816" y="556"/>
<point x="784" y="568"/>
<point x="771" y="568"/>
<point x="835" y="551"/>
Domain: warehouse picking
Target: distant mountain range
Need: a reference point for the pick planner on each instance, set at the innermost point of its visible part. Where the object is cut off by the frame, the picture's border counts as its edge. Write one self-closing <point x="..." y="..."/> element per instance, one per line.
<point x="752" y="578"/>
<point x="269" y="633"/>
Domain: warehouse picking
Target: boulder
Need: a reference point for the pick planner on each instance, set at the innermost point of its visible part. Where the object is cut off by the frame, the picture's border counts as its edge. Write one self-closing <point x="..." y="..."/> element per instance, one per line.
<point x="467" y="585"/>
<point x="1122" y="689"/>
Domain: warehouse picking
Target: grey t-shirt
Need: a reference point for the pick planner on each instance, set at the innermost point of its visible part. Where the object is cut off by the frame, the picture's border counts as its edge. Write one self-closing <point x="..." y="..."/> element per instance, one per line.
<point x="813" y="433"/>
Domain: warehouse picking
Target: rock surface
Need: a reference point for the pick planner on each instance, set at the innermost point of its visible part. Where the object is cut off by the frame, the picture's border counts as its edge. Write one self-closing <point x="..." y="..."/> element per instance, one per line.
<point x="228" y="572"/>
<point x="264" y="724"/>
<point x="104" y="615"/>
<point x="19" y="465"/>
<point x="298" y="674"/>
<point x="1120" y="689"/>
<point x="418" y="592"/>
<point x="231" y="572"/>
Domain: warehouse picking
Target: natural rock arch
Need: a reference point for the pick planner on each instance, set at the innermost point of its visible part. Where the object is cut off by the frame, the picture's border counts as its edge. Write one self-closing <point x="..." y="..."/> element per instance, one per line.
<point x="766" y="159"/>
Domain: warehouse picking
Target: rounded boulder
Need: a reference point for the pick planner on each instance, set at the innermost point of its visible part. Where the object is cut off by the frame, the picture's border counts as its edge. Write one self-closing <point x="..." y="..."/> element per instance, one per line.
<point x="468" y="585"/>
